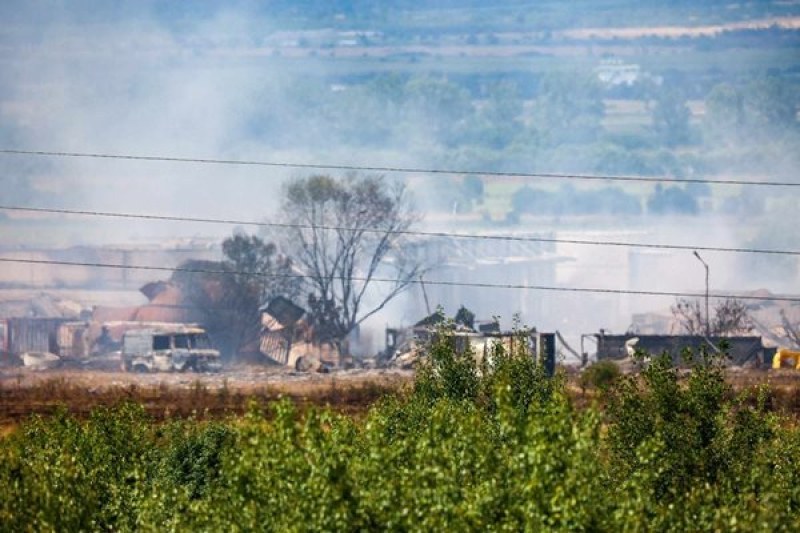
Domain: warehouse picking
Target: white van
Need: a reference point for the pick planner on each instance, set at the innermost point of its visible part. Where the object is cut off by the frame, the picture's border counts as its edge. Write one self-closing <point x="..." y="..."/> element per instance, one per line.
<point x="179" y="347"/>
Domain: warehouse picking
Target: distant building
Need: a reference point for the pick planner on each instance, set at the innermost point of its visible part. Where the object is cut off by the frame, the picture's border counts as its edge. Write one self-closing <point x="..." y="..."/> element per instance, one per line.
<point x="325" y="37"/>
<point x="613" y="72"/>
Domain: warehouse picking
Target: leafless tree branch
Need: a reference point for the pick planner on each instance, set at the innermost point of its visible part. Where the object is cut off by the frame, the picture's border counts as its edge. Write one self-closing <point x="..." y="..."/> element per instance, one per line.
<point x="730" y="317"/>
<point x="355" y="234"/>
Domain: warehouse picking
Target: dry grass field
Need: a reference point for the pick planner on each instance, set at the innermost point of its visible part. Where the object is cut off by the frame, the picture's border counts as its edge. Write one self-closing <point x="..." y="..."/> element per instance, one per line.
<point x="24" y="393"/>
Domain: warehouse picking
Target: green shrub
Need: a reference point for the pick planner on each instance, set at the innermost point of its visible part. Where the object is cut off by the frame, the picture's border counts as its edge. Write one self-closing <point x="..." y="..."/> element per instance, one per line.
<point x="195" y="456"/>
<point x="600" y="375"/>
<point x="62" y="475"/>
<point x="491" y="445"/>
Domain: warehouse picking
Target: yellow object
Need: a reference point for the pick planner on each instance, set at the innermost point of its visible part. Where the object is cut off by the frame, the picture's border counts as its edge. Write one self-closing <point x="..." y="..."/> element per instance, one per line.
<point x="785" y="354"/>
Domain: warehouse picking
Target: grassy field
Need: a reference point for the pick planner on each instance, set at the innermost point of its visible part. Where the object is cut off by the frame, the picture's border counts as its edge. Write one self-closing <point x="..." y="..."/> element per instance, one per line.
<point x="173" y="396"/>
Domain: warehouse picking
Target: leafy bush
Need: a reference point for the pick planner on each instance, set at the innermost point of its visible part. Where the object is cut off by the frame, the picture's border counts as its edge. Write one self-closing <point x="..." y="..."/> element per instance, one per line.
<point x="62" y="475"/>
<point x="475" y="445"/>
<point x="600" y="375"/>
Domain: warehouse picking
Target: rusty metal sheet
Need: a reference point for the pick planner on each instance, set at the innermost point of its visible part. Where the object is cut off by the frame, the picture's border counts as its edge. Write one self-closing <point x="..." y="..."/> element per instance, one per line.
<point x="73" y="340"/>
<point x="33" y="334"/>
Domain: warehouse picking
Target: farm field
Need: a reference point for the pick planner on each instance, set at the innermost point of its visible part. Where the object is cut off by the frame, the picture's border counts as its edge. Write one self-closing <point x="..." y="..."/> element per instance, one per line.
<point x="166" y="396"/>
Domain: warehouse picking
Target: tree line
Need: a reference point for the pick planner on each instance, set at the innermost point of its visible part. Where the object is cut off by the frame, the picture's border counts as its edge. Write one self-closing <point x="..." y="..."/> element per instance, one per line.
<point x="558" y="122"/>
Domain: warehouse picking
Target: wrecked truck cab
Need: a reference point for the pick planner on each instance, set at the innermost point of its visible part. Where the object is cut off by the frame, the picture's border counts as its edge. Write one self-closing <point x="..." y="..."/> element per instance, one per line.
<point x="179" y="348"/>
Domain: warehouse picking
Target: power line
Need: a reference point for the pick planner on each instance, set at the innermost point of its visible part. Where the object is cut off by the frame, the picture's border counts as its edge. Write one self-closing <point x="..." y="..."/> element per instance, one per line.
<point x="406" y="170"/>
<point x="409" y="281"/>
<point x="440" y="234"/>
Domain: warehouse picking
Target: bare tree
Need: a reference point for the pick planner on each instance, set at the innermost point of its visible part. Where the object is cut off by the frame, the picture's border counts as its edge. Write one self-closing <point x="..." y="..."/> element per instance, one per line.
<point x="792" y="330"/>
<point x="227" y="294"/>
<point x="690" y="316"/>
<point x="730" y="317"/>
<point x="344" y="233"/>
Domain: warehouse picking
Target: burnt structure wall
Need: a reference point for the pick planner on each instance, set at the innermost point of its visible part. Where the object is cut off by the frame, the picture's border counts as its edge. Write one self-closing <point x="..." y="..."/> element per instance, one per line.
<point x="742" y="350"/>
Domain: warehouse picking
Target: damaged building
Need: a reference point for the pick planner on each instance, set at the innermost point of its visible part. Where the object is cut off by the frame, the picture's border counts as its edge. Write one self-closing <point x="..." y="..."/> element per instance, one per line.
<point x="282" y="329"/>
<point x="287" y="338"/>
<point x="742" y="350"/>
<point x="43" y="324"/>
<point x="405" y="346"/>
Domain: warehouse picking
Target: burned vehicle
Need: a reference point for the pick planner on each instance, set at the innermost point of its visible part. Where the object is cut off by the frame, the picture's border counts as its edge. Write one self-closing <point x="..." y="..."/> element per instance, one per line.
<point x="179" y="347"/>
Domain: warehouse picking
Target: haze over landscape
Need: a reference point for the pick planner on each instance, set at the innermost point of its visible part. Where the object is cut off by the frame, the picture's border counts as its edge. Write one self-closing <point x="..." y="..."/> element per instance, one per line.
<point x="682" y="90"/>
<point x="399" y="265"/>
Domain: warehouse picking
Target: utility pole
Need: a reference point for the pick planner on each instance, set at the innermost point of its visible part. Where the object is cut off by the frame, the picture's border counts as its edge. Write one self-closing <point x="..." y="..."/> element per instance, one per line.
<point x="708" y="320"/>
<point x="425" y="294"/>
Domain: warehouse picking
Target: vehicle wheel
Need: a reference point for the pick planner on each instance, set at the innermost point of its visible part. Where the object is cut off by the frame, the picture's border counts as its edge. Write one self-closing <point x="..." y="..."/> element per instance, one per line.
<point x="141" y="369"/>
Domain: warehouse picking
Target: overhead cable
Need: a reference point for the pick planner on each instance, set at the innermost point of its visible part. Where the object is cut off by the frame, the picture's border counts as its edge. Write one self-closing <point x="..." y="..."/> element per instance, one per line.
<point x="405" y="170"/>
<point x="405" y="281"/>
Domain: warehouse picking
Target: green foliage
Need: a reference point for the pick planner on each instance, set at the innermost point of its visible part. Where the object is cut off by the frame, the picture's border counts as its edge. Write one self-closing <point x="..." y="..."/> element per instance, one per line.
<point x="437" y="107"/>
<point x="766" y="107"/>
<point x="569" y="201"/>
<point x="600" y="375"/>
<point x="672" y="200"/>
<point x="226" y="296"/>
<point x="686" y="454"/>
<point x="671" y="118"/>
<point x="465" y="317"/>
<point x="193" y="461"/>
<point x="448" y="373"/>
<point x="486" y="443"/>
<point x="569" y="108"/>
<point x="61" y="475"/>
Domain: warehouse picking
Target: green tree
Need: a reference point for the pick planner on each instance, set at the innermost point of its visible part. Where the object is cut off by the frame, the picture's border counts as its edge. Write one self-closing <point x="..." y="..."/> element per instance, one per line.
<point x="499" y="119"/>
<point x="228" y="294"/>
<point x="671" y="117"/>
<point x="438" y="107"/>
<point x="672" y="200"/>
<point x="568" y="108"/>
<point x="724" y="111"/>
<point x="465" y="317"/>
<point x="771" y="104"/>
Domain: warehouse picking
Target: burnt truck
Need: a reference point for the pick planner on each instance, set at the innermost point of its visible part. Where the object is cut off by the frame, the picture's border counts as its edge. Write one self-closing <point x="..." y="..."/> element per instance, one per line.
<point x="181" y="347"/>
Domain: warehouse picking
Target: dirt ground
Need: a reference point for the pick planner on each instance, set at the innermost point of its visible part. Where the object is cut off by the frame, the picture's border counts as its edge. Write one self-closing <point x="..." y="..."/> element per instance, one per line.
<point x="25" y="392"/>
